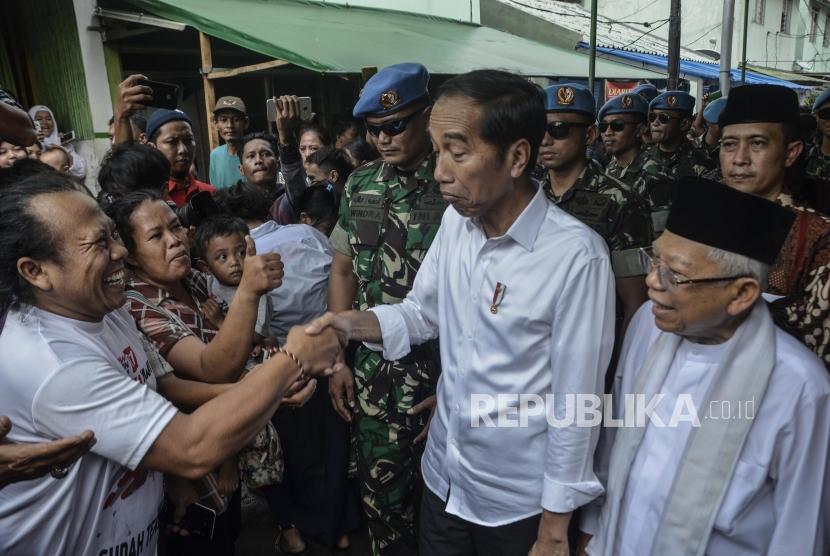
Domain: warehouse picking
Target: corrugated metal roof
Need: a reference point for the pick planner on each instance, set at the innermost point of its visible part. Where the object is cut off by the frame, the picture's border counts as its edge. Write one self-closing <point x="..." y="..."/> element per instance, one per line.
<point x="610" y="34"/>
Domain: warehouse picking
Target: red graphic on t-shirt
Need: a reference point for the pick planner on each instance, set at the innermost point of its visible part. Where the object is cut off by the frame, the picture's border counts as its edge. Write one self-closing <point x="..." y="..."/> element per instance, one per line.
<point x="127" y="483"/>
<point x="128" y="360"/>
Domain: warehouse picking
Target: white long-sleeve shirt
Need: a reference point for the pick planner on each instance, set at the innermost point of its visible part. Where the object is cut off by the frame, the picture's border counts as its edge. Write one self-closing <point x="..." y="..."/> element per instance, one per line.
<point x="778" y="501"/>
<point x="552" y="332"/>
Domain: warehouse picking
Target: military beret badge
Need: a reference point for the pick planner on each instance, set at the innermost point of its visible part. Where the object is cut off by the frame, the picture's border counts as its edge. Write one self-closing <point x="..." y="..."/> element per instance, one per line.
<point x="389" y="99"/>
<point x="565" y="96"/>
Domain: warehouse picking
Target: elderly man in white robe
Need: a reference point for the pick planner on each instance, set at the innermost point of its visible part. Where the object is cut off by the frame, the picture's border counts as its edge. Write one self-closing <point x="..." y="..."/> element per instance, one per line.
<point x="748" y="473"/>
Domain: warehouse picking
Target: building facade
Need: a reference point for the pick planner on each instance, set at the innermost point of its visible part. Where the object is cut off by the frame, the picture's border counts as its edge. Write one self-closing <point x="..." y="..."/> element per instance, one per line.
<point x="788" y="35"/>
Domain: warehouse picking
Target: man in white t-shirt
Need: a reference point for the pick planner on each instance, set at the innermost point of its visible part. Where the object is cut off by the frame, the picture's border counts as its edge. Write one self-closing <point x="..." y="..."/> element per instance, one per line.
<point x="73" y="360"/>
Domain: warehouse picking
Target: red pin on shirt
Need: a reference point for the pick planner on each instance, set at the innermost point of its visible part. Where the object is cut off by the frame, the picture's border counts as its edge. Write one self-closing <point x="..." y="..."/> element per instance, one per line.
<point x="498" y="296"/>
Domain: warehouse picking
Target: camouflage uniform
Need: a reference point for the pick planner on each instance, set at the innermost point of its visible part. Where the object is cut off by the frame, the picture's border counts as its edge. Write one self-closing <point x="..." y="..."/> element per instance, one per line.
<point x="818" y="165"/>
<point x="647" y="179"/>
<point x="386" y="225"/>
<point x="610" y="208"/>
<point x="687" y="160"/>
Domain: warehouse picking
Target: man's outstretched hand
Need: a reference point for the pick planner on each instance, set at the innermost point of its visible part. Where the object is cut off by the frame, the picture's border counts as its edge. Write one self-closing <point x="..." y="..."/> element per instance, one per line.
<point x="21" y="462"/>
<point x="340" y="324"/>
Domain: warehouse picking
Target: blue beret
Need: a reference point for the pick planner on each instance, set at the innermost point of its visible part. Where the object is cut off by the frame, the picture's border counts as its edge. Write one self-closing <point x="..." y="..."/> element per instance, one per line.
<point x="570" y="97"/>
<point x="822" y="98"/>
<point x="628" y="103"/>
<point x="713" y="110"/>
<point x="673" y="100"/>
<point x="647" y="91"/>
<point x="392" y="89"/>
<point x="161" y="117"/>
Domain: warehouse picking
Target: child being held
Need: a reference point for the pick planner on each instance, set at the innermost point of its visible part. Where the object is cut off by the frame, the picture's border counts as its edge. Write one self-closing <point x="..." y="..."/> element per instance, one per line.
<point x="221" y="248"/>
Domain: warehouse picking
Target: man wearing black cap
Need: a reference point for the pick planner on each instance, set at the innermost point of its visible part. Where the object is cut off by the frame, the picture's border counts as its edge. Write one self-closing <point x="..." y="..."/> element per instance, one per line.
<point x="670" y="117"/>
<point x="171" y="132"/>
<point x="733" y="459"/>
<point x="759" y="143"/>
<point x="389" y="215"/>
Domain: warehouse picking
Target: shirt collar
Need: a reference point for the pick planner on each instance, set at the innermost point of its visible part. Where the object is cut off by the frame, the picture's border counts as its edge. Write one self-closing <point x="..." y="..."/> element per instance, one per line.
<point x="525" y="229"/>
<point x="263" y="229"/>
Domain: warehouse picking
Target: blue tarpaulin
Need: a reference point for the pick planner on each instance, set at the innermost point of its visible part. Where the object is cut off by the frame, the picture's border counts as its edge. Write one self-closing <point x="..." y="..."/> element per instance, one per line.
<point x="689" y="68"/>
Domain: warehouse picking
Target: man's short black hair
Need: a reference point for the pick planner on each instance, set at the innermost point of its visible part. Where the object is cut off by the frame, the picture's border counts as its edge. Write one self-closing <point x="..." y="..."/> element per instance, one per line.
<point x="329" y="158"/>
<point x="514" y="108"/>
<point x="342" y="125"/>
<point x="220" y="225"/>
<point x="322" y="133"/>
<point x="362" y="151"/>
<point x="244" y="200"/>
<point x="22" y="169"/>
<point x="267" y="137"/>
<point x="130" y="167"/>
<point x="139" y="122"/>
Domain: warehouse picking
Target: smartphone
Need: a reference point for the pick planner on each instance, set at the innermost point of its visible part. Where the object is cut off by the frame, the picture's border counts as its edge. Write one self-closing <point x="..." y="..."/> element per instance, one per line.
<point x="198" y="519"/>
<point x="304" y="106"/>
<point x="165" y="95"/>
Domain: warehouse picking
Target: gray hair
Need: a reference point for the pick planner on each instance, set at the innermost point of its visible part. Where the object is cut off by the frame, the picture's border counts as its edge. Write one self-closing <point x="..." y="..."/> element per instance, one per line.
<point x="732" y="264"/>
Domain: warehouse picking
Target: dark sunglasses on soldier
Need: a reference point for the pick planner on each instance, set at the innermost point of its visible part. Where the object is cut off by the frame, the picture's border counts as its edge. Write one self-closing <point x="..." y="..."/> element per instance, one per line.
<point x="662" y="116"/>
<point x="824" y="114"/>
<point x="615" y="125"/>
<point x="560" y="130"/>
<point x="395" y="127"/>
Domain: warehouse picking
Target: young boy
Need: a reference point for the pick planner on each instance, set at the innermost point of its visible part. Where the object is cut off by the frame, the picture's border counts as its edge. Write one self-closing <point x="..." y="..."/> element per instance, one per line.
<point x="220" y="250"/>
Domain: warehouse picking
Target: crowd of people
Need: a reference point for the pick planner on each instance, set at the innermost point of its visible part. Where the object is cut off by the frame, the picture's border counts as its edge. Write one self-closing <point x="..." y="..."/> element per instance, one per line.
<point x="389" y="327"/>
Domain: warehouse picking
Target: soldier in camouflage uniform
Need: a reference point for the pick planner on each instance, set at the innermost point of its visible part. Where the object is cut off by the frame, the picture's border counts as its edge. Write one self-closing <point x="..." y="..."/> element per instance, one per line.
<point x="818" y="159"/>
<point x="580" y="187"/>
<point x="622" y="124"/>
<point x="389" y="215"/>
<point x="670" y="117"/>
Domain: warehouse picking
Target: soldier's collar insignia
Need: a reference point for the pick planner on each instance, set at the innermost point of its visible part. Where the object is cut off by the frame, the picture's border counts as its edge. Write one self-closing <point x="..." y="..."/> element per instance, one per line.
<point x="627" y="102"/>
<point x="671" y="100"/>
<point x="565" y="96"/>
<point x="390" y="99"/>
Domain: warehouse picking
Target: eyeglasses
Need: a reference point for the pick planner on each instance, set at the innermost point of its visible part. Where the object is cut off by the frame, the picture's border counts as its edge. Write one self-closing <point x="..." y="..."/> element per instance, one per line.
<point x="667" y="278"/>
<point x="614" y="125"/>
<point x="824" y="113"/>
<point x="560" y="130"/>
<point x="395" y="127"/>
<point x="662" y="116"/>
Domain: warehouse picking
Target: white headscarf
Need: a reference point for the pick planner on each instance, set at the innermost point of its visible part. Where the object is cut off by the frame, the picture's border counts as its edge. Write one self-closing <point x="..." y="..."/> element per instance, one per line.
<point x="78" y="168"/>
<point x="54" y="138"/>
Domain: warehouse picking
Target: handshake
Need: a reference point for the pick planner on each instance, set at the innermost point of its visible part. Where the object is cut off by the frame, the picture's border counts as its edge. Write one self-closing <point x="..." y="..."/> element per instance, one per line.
<point x="319" y="344"/>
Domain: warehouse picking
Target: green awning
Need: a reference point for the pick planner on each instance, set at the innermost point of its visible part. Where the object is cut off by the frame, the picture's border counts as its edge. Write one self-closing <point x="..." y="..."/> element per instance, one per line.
<point x="332" y="38"/>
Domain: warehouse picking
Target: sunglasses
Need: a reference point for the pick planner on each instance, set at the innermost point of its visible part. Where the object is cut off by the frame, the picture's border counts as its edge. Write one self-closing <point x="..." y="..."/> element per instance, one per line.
<point x="616" y="125"/>
<point x="662" y="116"/>
<point x="560" y="130"/>
<point x="395" y="127"/>
<point x="824" y="114"/>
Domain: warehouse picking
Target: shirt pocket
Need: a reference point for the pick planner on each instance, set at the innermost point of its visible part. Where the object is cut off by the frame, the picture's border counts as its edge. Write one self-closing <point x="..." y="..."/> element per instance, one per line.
<point x="423" y="224"/>
<point x="747" y="481"/>
<point x="366" y="214"/>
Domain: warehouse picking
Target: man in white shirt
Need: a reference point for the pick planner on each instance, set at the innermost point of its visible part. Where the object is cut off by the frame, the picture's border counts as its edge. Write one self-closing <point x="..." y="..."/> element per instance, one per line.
<point x="747" y="474"/>
<point x="73" y="360"/>
<point x="521" y="295"/>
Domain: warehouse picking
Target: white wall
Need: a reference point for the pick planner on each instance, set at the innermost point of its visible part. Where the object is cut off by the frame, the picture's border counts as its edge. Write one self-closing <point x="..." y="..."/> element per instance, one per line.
<point x="100" y="103"/>
<point x="464" y="10"/>
<point x="766" y="45"/>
